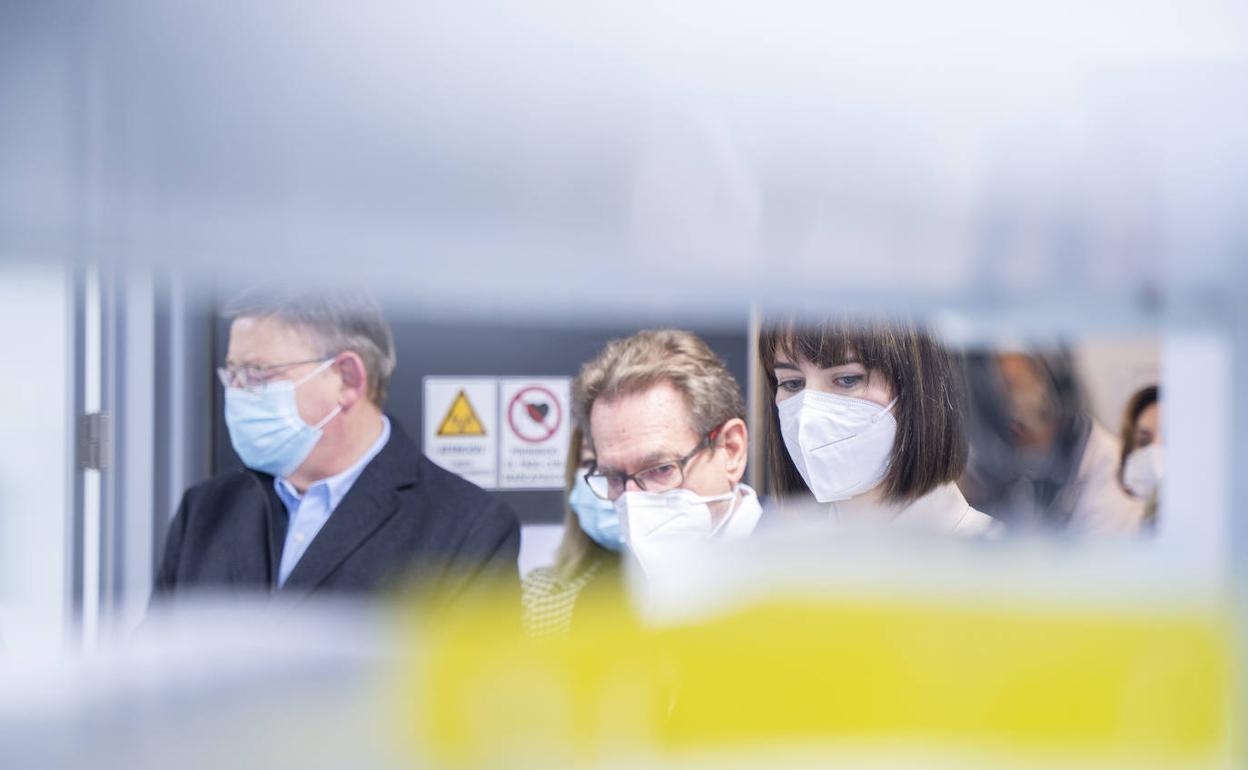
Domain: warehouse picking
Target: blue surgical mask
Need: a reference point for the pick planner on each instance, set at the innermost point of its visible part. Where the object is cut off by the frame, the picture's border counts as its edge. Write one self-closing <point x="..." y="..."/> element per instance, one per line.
<point x="597" y="516"/>
<point x="266" y="429"/>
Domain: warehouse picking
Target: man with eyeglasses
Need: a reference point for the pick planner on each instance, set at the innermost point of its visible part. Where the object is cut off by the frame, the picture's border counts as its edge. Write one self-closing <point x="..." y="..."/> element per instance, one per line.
<point x="666" y="422"/>
<point x="335" y="497"/>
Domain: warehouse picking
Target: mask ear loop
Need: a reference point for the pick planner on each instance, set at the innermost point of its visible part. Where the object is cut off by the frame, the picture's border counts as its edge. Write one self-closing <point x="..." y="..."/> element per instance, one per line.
<point x="880" y="414"/>
<point x="736" y="499"/>
<point x="337" y="409"/>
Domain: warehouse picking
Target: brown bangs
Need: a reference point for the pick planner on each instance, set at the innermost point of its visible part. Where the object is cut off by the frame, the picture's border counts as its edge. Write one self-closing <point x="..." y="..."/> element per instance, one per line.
<point x="875" y="345"/>
<point x="931" y="446"/>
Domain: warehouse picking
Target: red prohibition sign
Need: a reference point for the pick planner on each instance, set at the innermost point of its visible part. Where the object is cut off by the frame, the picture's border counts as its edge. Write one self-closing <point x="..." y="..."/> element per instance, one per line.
<point x="539" y="418"/>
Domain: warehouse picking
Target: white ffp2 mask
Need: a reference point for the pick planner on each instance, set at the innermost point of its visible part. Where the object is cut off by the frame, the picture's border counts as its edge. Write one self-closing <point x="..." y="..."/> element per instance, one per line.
<point x="649" y="517"/>
<point x="842" y="446"/>
<point x="1142" y="472"/>
<point x="657" y="524"/>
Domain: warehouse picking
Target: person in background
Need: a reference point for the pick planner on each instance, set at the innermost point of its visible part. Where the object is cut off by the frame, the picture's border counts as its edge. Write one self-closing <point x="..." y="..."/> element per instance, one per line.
<point x="867" y="422"/>
<point x="334" y="498"/>
<point x="666" y="424"/>
<point x="1142" y="462"/>
<point x="589" y="552"/>
<point x="1038" y="459"/>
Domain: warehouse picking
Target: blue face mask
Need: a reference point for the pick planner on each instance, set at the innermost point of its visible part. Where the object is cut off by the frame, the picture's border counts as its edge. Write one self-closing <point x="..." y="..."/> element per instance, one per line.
<point x="597" y="516"/>
<point x="266" y="429"/>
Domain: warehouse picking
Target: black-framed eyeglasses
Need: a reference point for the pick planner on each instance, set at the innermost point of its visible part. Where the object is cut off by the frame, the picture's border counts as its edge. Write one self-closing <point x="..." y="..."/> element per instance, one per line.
<point x="659" y="477"/>
<point x="255" y="377"/>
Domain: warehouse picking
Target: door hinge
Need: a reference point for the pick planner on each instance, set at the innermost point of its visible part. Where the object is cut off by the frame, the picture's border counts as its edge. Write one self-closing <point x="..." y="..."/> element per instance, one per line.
<point x="94" y="441"/>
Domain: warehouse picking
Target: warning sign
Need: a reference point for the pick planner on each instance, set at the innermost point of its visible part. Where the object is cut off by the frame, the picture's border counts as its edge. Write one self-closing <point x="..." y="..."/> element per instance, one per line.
<point x="499" y="433"/>
<point x="461" y="420"/>
<point x="534" y="446"/>
<point x="534" y="414"/>
<point x="461" y="426"/>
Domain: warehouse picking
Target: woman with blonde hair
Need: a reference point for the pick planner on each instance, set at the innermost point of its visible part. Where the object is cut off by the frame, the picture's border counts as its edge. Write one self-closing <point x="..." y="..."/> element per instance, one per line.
<point x="587" y="554"/>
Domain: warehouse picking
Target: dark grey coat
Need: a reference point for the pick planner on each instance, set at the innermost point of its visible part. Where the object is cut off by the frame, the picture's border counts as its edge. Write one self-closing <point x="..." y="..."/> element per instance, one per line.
<point x="404" y="521"/>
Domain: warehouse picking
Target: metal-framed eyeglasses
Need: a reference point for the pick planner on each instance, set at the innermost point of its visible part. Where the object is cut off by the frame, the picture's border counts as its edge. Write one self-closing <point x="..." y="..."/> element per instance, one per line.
<point x="254" y="378"/>
<point x="659" y="477"/>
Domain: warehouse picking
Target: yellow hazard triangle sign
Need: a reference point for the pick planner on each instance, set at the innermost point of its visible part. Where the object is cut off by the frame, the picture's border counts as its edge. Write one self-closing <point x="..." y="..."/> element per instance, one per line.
<point x="461" y="419"/>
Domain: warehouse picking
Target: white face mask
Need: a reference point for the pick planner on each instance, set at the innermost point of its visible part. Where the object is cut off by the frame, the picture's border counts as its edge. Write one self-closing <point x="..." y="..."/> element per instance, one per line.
<point x="653" y="522"/>
<point x="1142" y="472"/>
<point x="841" y="446"/>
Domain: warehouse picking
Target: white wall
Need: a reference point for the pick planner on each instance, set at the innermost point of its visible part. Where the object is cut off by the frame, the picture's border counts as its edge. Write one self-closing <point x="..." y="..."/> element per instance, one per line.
<point x="34" y="452"/>
<point x="1112" y="369"/>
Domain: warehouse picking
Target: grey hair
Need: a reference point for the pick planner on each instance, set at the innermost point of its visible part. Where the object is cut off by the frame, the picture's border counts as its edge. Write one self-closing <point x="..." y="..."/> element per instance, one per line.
<point x="332" y="322"/>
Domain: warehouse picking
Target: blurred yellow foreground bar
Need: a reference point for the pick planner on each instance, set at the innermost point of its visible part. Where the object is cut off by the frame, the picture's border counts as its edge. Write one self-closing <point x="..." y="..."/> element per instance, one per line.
<point x="796" y="683"/>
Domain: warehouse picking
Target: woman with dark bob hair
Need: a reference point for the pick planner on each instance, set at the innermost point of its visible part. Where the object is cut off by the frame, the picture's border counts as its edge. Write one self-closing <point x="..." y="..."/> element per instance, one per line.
<point x="869" y="418"/>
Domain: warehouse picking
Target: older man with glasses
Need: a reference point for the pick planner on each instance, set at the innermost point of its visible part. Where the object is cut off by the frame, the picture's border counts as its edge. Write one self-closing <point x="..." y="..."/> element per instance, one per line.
<point x="666" y="422"/>
<point x="335" y="497"/>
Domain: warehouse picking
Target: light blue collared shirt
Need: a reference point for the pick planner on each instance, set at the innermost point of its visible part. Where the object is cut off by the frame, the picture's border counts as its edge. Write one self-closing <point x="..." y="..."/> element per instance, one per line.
<point x="309" y="511"/>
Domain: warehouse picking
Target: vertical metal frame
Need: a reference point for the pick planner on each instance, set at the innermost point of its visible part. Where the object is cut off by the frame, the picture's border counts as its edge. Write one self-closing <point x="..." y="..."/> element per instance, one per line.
<point x="131" y="514"/>
<point x="102" y="555"/>
<point x="1238" y="501"/>
<point x="110" y="534"/>
<point x="755" y="403"/>
<point x="74" y="481"/>
<point x="183" y="393"/>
